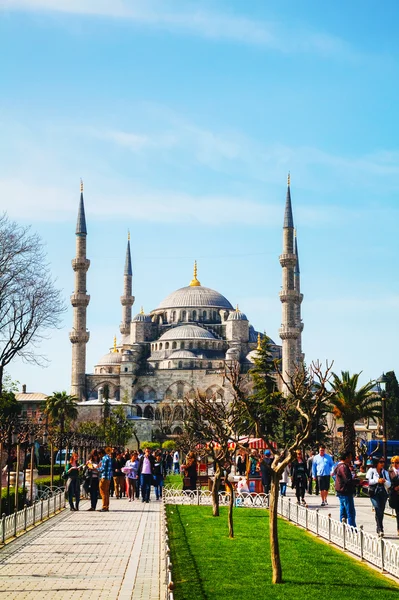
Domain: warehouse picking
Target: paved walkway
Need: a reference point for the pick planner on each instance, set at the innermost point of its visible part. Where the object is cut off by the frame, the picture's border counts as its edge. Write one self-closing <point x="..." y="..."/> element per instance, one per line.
<point x="82" y="555"/>
<point x="364" y="513"/>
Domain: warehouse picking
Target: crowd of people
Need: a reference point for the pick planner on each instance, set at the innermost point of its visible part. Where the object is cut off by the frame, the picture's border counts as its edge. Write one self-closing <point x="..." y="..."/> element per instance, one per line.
<point x="313" y="474"/>
<point x="111" y="472"/>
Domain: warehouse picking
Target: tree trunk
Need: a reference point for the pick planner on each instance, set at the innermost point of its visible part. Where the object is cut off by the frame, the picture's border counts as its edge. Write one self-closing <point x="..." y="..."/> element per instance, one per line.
<point x="1" y="378"/>
<point x="349" y="436"/>
<point x="274" y="547"/>
<point x="231" y="505"/>
<point x="215" y="492"/>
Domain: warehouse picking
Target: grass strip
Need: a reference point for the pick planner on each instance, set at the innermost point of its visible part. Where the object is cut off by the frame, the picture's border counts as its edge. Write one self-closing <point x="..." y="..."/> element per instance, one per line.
<point x="207" y="565"/>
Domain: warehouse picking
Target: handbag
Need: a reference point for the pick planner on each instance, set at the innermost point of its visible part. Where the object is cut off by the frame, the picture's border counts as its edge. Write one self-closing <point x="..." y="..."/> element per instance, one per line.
<point x="372" y="490"/>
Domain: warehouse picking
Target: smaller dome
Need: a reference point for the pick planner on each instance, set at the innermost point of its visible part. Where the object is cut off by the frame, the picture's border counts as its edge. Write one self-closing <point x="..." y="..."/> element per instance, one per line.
<point x="142" y="318"/>
<point x="112" y="358"/>
<point x="237" y="315"/>
<point x="186" y="332"/>
<point x="182" y="354"/>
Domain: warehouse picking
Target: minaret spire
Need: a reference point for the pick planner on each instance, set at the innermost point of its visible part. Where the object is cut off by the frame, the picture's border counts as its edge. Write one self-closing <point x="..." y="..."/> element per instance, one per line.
<point x="127" y="300"/>
<point x="297" y="285"/>
<point x="79" y="335"/>
<point x="289" y="296"/>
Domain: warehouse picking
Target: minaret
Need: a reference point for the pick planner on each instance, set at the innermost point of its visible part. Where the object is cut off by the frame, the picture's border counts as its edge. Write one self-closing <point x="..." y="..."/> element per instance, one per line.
<point x="297" y="285"/>
<point x="127" y="300"/>
<point x="79" y="335"/>
<point x="289" y="331"/>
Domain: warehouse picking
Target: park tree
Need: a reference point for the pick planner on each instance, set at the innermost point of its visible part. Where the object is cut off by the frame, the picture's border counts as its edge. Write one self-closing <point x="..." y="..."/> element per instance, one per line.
<point x="163" y="421"/>
<point x="306" y="396"/>
<point x="61" y="409"/>
<point x="30" y="304"/>
<point x="119" y="429"/>
<point x="392" y="405"/>
<point x="351" y="404"/>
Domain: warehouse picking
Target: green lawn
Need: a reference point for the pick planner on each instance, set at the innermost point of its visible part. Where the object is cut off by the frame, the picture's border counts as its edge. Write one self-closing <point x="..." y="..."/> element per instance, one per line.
<point x="174" y="480"/>
<point x="208" y="565"/>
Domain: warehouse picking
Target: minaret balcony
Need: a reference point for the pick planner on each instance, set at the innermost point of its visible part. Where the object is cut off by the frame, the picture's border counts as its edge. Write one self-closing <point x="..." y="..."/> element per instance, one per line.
<point x="80" y="264"/>
<point x="79" y="299"/>
<point x="289" y="333"/>
<point x="127" y="300"/>
<point x="288" y="260"/>
<point x="124" y="328"/>
<point x="79" y="337"/>
<point x="289" y="296"/>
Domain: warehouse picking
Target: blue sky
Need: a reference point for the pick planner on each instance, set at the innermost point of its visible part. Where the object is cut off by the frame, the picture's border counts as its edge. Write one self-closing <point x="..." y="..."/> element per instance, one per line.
<point x="183" y="119"/>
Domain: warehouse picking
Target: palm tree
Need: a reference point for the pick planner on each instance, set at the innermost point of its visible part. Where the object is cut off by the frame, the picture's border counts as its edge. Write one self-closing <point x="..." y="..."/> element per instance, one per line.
<point x="60" y="407"/>
<point x="351" y="404"/>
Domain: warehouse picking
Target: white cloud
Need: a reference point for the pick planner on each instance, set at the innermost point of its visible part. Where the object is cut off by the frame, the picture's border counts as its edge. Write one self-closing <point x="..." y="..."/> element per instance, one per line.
<point x="189" y="19"/>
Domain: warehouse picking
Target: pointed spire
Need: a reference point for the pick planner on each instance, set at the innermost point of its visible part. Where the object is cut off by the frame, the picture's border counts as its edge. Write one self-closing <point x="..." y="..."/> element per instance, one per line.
<point x="128" y="261"/>
<point x="142" y="311"/>
<point x="288" y="219"/>
<point x="237" y="309"/>
<point x="194" y="282"/>
<point x="81" y="222"/>
<point x="297" y="271"/>
<point x="259" y="346"/>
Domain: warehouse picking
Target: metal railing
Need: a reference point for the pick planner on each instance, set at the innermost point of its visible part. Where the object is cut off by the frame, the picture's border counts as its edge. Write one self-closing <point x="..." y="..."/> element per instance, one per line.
<point x="30" y="516"/>
<point x="167" y="579"/>
<point x="367" y="546"/>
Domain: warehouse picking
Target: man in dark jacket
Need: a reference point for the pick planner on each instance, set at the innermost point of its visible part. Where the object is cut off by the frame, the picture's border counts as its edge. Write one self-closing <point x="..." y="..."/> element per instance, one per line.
<point x="146" y="474"/>
<point x="345" y="487"/>
<point x="266" y="471"/>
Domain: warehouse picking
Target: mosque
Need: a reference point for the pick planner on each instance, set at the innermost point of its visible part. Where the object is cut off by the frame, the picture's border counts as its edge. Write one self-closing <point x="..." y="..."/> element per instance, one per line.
<point x="182" y="345"/>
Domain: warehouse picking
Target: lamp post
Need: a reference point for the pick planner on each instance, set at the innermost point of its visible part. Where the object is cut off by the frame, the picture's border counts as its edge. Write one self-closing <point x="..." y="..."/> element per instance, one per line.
<point x="381" y="383"/>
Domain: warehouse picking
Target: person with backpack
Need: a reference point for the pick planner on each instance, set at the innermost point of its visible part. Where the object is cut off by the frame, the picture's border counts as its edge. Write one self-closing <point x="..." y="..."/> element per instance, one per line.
<point x="379" y="484"/>
<point x="345" y="488"/>
<point x="394" y="491"/>
<point x="299" y="477"/>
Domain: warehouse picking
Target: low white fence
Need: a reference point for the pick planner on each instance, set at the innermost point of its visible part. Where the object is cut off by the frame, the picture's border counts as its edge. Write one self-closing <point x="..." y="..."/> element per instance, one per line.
<point x="29" y="516"/>
<point x="373" y="549"/>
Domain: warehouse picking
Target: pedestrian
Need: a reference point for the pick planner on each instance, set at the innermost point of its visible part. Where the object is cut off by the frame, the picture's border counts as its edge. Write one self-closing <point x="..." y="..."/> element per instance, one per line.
<point x="284" y="481"/>
<point x="241" y="463"/>
<point x="131" y="469"/>
<point x="158" y="475"/>
<point x="379" y="484"/>
<point x="253" y="464"/>
<point x="190" y="470"/>
<point x="105" y="472"/>
<point x="169" y="463"/>
<point x="299" y="477"/>
<point x="119" y="478"/>
<point x="93" y="478"/>
<point x="73" y="483"/>
<point x="146" y="473"/>
<point x="266" y="471"/>
<point x="394" y="491"/>
<point x="345" y="487"/>
<point x="321" y="468"/>
<point x="176" y="462"/>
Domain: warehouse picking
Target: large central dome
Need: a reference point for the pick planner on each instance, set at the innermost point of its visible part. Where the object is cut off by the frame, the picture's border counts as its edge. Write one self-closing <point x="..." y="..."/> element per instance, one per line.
<point x="195" y="297"/>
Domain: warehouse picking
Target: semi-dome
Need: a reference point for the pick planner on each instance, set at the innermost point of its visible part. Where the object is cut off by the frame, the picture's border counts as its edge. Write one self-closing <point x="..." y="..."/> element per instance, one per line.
<point x="195" y="297"/>
<point x="186" y="332"/>
<point x="182" y="354"/>
<point x="237" y="315"/>
<point x="112" y="358"/>
<point x="142" y="317"/>
<point x="250" y="357"/>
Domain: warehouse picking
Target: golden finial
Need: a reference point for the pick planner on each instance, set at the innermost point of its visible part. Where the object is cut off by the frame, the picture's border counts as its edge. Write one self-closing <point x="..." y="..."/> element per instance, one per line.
<point x="237" y="309"/>
<point x="128" y="235"/>
<point x="141" y="310"/>
<point x="81" y="185"/>
<point x="194" y="282"/>
<point x="289" y="178"/>
<point x="259" y="347"/>
<point x="114" y="350"/>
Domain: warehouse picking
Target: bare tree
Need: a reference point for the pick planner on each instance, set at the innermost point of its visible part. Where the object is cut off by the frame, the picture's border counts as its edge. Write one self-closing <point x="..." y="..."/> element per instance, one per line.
<point x="29" y="302"/>
<point x="212" y="424"/>
<point x="307" y="395"/>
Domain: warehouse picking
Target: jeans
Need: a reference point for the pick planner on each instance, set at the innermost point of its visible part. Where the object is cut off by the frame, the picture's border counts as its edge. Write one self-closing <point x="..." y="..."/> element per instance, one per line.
<point x="266" y="486"/>
<point x="158" y="485"/>
<point x="347" y="509"/>
<point x="300" y="489"/>
<point x="74" y="491"/>
<point x="176" y="468"/>
<point x="104" y="491"/>
<point x="94" y="492"/>
<point x="132" y="487"/>
<point x="145" y="484"/>
<point x="283" y="489"/>
<point x="379" y="501"/>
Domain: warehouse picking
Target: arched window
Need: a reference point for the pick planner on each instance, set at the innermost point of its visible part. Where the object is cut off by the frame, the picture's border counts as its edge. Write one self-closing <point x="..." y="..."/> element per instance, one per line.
<point x="160" y="346"/>
<point x="148" y="412"/>
<point x="169" y="365"/>
<point x="174" y="315"/>
<point x="180" y="364"/>
<point x="220" y="365"/>
<point x="214" y="315"/>
<point x="206" y="345"/>
<point x="194" y="315"/>
<point x="157" y="414"/>
<point x="177" y="431"/>
<point x="182" y="345"/>
<point x="180" y="391"/>
<point x="204" y="315"/>
<point x="191" y="364"/>
<point x="174" y="345"/>
<point x="167" y="346"/>
<point x="190" y="345"/>
<point x="156" y="346"/>
<point x="201" y="364"/>
<point x="209" y="365"/>
<point x="139" y="412"/>
<point x="178" y="414"/>
<point x="214" y="345"/>
<point x="183" y="315"/>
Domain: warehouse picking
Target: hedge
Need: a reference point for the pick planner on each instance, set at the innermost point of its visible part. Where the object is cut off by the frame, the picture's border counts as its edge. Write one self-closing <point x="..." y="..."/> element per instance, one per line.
<point x="46" y="469"/>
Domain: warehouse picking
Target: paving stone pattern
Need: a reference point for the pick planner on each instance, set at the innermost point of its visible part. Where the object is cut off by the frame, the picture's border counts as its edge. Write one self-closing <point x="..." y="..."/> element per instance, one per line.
<point x="79" y="555"/>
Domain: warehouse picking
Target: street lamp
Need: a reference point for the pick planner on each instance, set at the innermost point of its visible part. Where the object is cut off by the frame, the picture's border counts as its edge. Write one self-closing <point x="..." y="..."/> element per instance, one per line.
<point x="381" y="384"/>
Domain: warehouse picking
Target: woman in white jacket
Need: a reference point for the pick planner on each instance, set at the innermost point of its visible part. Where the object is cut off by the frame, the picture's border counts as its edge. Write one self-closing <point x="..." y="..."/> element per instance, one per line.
<point x="379" y="484"/>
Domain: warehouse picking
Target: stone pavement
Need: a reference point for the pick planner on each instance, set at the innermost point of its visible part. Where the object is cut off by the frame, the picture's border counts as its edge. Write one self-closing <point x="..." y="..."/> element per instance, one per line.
<point x="364" y="513"/>
<point x="82" y="555"/>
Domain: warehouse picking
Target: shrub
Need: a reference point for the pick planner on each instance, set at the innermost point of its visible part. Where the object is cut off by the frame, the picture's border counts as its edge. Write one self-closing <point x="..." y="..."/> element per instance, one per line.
<point x="45" y="469"/>
<point x="151" y="445"/>
<point x="169" y="445"/>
